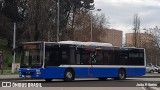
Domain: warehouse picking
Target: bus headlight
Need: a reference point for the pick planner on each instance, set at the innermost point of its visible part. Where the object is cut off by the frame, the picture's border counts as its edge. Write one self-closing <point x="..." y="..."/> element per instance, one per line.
<point x="38" y="71"/>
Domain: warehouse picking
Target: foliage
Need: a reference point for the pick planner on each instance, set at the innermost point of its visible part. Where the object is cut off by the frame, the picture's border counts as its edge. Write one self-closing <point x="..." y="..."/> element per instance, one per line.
<point x="37" y="19"/>
<point x="153" y="47"/>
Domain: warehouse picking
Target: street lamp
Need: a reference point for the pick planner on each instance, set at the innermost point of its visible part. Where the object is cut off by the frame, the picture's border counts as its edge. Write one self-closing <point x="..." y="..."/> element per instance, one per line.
<point x="58" y="21"/>
<point x="91" y="22"/>
<point x="14" y="44"/>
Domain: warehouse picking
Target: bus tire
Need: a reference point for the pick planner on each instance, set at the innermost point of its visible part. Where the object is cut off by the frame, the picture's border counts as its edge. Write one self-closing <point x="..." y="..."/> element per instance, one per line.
<point x="69" y="75"/>
<point x="48" y="80"/>
<point x="121" y="75"/>
<point x="102" y="78"/>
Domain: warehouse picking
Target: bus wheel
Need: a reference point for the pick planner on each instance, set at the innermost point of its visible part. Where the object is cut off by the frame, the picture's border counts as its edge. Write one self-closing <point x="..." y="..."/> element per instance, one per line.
<point x="102" y="79"/>
<point x="121" y="74"/>
<point x="48" y="80"/>
<point x="69" y="75"/>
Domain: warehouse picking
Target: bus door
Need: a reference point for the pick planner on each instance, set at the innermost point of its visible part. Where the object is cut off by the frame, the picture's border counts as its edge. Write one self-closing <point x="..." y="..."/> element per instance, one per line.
<point x="87" y="58"/>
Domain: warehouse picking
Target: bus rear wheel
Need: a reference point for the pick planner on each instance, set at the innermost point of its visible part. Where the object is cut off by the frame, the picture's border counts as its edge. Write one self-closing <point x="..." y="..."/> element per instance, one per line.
<point x="121" y="75"/>
<point x="69" y="75"/>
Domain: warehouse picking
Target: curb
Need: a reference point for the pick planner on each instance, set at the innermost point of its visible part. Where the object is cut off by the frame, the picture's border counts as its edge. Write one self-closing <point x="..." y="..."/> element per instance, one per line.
<point x="148" y="77"/>
<point x="150" y="88"/>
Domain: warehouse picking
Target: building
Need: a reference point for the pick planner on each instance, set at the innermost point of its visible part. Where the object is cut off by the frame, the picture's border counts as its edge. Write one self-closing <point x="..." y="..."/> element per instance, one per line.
<point x="141" y="39"/>
<point x="112" y="36"/>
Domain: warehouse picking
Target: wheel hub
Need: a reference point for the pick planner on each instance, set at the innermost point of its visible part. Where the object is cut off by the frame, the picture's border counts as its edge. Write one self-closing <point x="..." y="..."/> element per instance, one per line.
<point x="69" y="74"/>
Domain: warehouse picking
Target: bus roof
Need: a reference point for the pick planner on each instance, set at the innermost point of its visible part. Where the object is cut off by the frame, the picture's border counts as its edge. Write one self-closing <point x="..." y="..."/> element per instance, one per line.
<point x="73" y="43"/>
<point x="85" y="43"/>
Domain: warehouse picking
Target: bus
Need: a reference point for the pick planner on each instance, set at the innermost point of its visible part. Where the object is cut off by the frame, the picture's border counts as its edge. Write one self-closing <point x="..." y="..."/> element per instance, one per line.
<point x="68" y="60"/>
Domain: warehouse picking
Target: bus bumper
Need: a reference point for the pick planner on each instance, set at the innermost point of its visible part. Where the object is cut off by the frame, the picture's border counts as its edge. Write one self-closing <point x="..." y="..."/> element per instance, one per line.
<point x="30" y="73"/>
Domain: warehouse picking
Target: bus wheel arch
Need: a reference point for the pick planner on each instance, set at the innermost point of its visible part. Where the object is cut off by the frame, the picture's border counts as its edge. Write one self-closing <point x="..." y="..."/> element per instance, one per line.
<point x="69" y="74"/>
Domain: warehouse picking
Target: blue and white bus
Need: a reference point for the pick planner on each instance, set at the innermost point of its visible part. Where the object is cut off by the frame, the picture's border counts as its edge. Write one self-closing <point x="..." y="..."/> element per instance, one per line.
<point x="72" y="59"/>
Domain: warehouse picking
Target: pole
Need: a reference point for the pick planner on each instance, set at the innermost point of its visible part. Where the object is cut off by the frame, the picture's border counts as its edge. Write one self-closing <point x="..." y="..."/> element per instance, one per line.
<point x="58" y="21"/>
<point x="91" y="38"/>
<point x="91" y="26"/>
<point x="14" y="41"/>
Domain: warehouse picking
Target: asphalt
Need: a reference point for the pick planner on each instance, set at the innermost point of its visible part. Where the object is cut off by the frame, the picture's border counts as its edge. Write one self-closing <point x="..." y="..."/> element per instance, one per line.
<point x="16" y="77"/>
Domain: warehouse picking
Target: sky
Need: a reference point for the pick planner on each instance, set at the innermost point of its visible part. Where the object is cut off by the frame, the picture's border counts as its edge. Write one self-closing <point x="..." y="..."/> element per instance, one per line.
<point x="121" y="13"/>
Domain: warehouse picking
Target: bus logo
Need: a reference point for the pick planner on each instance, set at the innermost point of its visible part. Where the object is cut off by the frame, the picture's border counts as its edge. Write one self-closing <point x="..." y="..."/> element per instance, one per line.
<point x="6" y="84"/>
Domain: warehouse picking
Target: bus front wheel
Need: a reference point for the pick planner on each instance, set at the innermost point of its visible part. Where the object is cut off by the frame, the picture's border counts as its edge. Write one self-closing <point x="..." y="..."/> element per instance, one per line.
<point x="69" y="75"/>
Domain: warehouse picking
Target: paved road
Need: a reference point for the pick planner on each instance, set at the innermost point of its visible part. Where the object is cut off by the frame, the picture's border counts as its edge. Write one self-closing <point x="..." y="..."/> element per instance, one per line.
<point x="129" y="82"/>
<point x="77" y="88"/>
<point x="88" y="84"/>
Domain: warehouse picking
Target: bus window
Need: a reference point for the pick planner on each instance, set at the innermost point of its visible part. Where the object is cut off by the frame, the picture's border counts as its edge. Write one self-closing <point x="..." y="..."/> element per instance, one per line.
<point x="77" y="56"/>
<point x="31" y="58"/>
<point x="72" y="56"/>
<point x="99" y="57"/>
<point x="52" y="56"/>
<point x="136" y="57"/>
<point x="108" y="57"/>
<point x="84" y="57"/>
<point x="65" y="56"/>
<point x="121" y="57"/>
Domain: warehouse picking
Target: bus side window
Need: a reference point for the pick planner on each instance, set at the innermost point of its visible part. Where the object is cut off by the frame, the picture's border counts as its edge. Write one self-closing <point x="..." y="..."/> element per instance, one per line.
<point x="72" y="56"/>
<point x="99" y="57"/>
<point x="65" y="57"/>
<point x="136" y="57"/>
<point x="78" y="56"/>
<point x="84" y="57"/>
<point x="108" y="57"/>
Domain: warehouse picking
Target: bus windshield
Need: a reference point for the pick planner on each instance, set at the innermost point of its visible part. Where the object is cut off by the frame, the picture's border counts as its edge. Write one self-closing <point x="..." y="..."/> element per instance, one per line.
<point x="31" y="58"/>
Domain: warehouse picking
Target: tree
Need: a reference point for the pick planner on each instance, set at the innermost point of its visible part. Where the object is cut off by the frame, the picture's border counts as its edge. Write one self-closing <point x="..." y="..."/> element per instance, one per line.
<point x="10" y="9"/>
<point x="154" y="48"/>
<point x="37" y="19"/>
<point x="82" y="26"/>
<point x="68" y="10"/>
<point x="136" y="30"/>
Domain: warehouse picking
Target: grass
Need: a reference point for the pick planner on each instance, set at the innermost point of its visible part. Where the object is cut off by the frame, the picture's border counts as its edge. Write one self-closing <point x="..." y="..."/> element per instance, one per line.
<point x="9" y="72"/>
